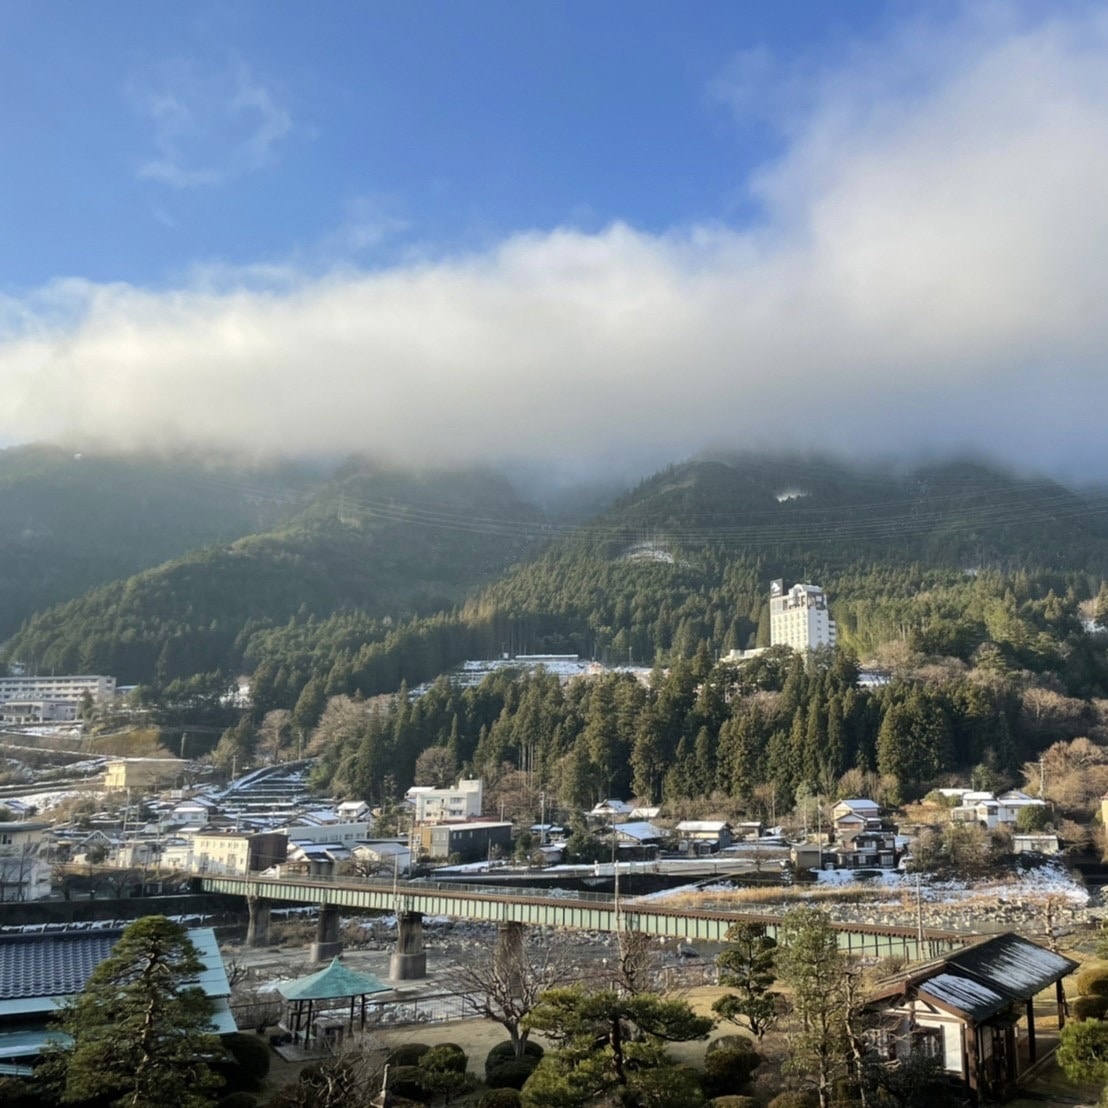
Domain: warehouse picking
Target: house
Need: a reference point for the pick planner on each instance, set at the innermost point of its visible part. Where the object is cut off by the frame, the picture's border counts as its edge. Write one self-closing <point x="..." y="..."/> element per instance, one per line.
<point x="353" y="811"/>
<point x="389" y="855"/>
<point x="24" y="869"/>
<point x="315" y="859"/>
<point x="850" y="817"/>
<point x="868" y="850"/>
<point x="703" y="836"/>
<point x="611" y="809"/>
<point x="993" y="812"/>
<point x="973" y="1010"/>
<point x="39" y="972"/>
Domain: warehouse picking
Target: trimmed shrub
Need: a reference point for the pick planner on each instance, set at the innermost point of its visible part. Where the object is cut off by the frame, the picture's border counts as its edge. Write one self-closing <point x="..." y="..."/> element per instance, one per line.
<point x="503" y="1052"/>
<point x="499" y="1098"/>
<point x="734" y="1101"/>
<point x="250" y="1052"/>
<point x="727" y="1071"/>
<point x="1089" y="1007"/>
<point x="445" y="1056"/>
<point x="407" y="1081"/>
<point x="1092" y="980"/>
<point x="512" y="1074"/>
<point x="731" y="1042"/>
<point x="408" y="1054"/>
<point x="806" y="1099"/>
<point x="17" y="1092"/>
<point x="238" y="1100"/>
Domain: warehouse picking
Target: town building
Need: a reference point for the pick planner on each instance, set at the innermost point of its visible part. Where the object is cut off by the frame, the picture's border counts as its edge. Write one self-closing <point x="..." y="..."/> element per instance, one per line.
<point x="993" y="812"/>
<point x="22" y="713"/>
<point x="432" y="805"/>
<point x="69" y="688"/>
<point x="24" y="869"/>
<point x="141" y="773"/>
<point x="799" y="618"/>
<point x="468" y="842"/>
<point x="703" y="836"/>
<point x="234" y="853"/>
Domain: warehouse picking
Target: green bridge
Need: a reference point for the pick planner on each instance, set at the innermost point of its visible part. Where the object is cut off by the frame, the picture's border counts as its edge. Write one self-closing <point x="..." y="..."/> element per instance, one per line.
<point x="412" y="900"/>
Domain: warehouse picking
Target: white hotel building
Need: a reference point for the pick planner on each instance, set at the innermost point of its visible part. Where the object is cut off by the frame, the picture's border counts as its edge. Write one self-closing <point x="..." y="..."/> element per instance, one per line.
<point x="799" y="617"/>
<point x="71" y="688"/>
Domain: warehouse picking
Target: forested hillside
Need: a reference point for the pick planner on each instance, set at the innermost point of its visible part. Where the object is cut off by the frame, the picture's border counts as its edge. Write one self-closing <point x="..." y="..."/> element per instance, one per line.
<point x="73" y="521"/>
<point x="381" y="543"/>
<point x="966" y="585"/>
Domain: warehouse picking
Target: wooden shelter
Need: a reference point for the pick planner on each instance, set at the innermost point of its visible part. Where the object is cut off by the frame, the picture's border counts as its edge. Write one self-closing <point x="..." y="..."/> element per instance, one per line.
<point x="308" y="997"/>
<point x="972" y="1010"/>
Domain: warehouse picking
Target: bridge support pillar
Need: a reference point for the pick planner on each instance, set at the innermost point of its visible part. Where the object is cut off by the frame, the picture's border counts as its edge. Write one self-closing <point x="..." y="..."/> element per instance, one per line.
<point x="410" y="960"/>
<point x="509" y="955"/>
<point x="257" y="929"/>
<point x="327" y="943"/>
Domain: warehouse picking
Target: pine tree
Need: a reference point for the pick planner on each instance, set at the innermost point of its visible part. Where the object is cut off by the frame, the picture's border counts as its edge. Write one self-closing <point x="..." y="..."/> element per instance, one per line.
<point x="140" y="1032"/>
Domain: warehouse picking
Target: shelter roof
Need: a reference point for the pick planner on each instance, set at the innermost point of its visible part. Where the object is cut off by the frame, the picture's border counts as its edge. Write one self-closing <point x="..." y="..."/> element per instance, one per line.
<point x="331" y="982"/>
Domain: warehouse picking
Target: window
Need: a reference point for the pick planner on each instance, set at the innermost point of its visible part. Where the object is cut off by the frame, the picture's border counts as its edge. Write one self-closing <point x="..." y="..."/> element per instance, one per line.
<point x="928" y="1041"/>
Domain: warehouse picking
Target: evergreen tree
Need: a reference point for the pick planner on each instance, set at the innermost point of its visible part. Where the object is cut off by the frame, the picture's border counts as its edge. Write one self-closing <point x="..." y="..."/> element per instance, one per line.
<point x="747" y="966"/>
<point x="139" y="1033"/>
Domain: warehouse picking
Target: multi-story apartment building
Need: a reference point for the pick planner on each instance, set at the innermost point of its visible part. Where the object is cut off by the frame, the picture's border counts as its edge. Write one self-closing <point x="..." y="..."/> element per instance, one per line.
<point x="799" y="617"/>
<point x="439" y="805"/>
<point x="24" y="868"/>
<point x="235" y="853"/>
<point x="66" y="688"/>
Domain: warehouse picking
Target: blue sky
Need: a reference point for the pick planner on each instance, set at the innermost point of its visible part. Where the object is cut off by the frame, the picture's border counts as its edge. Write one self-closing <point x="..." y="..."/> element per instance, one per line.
<point x="142" y="139"/>
<point x="447" y="231"/>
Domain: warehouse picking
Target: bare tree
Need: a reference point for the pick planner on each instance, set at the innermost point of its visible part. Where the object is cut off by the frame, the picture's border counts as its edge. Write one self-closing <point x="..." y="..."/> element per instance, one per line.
<point x="506" y="984"/>
<point x="435" y="767"/>
<point x="636" y="965"/>
<point x="343" y="1077"/>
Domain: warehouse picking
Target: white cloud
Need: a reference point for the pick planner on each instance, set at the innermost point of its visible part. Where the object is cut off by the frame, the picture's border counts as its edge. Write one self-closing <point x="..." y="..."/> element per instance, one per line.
<point x="210" y="125"/>
<point x="929" y="274"/>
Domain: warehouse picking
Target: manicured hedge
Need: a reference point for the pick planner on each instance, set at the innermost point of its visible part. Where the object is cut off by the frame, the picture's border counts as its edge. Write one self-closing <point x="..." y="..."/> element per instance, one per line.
<point x="250" y="1052"/>
<point x="499" y="1098"/>
<point x="408" y="1054"/>
<point x="1092" y="980"/>
<point x="512" y="1074"/>
<point x="1090" y="1007"/>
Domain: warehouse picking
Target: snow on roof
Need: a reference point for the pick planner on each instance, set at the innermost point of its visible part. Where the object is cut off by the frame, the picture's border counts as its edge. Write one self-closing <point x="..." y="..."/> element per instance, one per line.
<point x="861" y="804"/>
<point x="702" y="825"/>
<point x="964" y="994"/>
<point x="613" y="805"/>
<point x="641" y="831"/>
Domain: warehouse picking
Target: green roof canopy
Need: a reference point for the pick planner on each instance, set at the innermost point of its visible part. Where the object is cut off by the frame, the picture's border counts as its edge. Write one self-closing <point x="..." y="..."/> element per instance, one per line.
<point x="330" y="983"/>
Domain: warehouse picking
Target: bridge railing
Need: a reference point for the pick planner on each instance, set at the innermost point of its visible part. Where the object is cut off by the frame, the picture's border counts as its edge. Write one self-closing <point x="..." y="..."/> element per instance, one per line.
<point x="463" y="889"/>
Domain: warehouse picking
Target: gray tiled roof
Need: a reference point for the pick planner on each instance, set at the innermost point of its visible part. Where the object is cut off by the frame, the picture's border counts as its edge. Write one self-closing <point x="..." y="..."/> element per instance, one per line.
<point x="55" y="965"/>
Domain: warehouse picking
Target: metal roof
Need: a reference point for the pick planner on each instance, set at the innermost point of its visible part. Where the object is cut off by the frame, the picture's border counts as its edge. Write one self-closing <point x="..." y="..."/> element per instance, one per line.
<point x="985" y="978"/>
<point x="331" y="982"/>
<point x="1015" y="965"/>
<point x="965" y="995"/>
